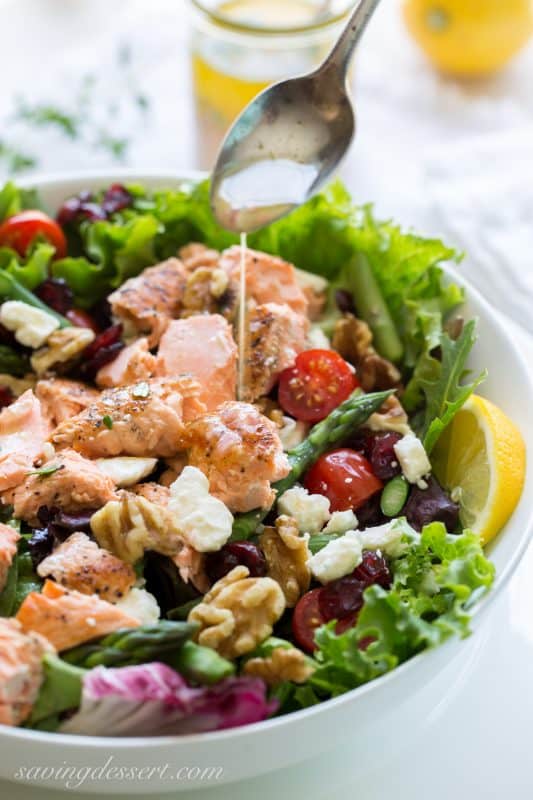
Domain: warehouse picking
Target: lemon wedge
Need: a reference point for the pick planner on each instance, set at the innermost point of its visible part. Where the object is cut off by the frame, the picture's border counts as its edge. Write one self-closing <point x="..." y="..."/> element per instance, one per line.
<point x="481" y="460"/>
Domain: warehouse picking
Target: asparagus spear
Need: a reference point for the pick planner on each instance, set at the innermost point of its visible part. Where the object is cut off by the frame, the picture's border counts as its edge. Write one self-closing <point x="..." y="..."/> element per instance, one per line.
<point x="332" y="430"/>
<point x="199" y="664"/>
<point x="132" y="645"/>
<point x="371" y="307"/>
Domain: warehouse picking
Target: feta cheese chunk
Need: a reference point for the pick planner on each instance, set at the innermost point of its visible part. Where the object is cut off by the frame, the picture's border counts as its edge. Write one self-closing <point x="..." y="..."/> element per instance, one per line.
<point x="338" y="558"/>
<point x="413" y="459"/>
<point x="205" y="521"/>
<point x="140" y="604"/>
<point x="341" y="522"/>
<point x="292" y="433"/>
<point x="311" y="511"/>
<point x="126" y="471"/>
<point x="317" y="339"/>
<point x="31" y="326"/>
<point x="386" y="537"/>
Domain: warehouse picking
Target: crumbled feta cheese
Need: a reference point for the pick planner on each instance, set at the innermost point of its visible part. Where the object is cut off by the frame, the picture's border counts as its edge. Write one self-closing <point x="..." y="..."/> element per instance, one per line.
<point x="31" y="326"/>
<point x="205" y="521"/>
<point x="126" y="470"/>
<point x="338" y="558"/>
<point x="341" y="521"/>
<point x="387" y="538"/>
<point x="292" y="433"/>
<point x="413" y="458"/>
<point x="141" y="605"/>
<point x="311" y="511"/>
<point x="317" y="339"/>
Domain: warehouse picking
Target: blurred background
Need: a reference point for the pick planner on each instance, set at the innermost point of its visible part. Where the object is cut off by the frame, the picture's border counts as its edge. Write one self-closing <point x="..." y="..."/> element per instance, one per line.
<point x="443" y="90"/>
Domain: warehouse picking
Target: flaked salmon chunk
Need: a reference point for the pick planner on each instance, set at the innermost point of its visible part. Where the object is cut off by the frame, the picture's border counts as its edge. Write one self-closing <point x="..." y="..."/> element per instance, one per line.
<point x="275" y="336"/>
<point x="196" y="255"/>
<point x="68" y="618"/>
<point x="134" y="363"/>
<point x="204" y="347"/>
<point x="269" y="279"/>
<point x="23" y="433"/>
<point x="75" y="485"/>
<point x="145" y="304"/>
<point x="145" y="419"/>
<point x="8" y="548"/>
<point x="153" y="492"/>
<point x="62" y="398"/>
<point x="21" y="671"/>
<point x="78" y="563"/>
<point x="240" y="452"/>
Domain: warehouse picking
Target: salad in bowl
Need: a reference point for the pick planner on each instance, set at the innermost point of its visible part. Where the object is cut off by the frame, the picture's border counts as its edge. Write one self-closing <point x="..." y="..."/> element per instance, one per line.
<point x="201" y="532"/>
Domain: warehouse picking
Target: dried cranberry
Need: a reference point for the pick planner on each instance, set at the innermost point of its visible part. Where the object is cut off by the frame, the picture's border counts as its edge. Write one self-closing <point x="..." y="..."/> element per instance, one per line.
<point x="81" y="521"/>
<point x="101" y="313"/>
<point x="233" y="555"/>
<point x="105" y="355"/>
<point x="57" y="294"/>
<point x="40" y="545"/>
<point x="431" y="505"/>
<point x="56" y="527"/>
<point x="6" y="396"/>
<point x="7" y="337"/>
<point x="341" y="598"/>
<point x="382" y="455"/>
<point x="344" y="301"/>
<point x="370" y="514"/>
<point x="373" y="569"/>
<point x="105" y="339"/>
<point x="116" y="198"/>
<point x="78" y="208"/>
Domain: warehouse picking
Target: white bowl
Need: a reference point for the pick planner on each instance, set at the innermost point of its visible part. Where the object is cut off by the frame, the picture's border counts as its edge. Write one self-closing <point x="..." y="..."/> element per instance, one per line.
<point x="378" y="717"/>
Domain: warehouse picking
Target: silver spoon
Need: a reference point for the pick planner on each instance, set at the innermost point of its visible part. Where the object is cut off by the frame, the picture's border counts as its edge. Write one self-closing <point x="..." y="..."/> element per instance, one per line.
<point x="289" y="140"/>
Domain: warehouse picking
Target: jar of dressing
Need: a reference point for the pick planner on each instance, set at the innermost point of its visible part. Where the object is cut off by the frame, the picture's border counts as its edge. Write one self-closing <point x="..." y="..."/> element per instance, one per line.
<point x="239" y="47"/>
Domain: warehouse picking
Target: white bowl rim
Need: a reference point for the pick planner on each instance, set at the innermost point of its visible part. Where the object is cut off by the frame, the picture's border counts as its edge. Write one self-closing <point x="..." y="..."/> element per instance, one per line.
<point x="502" y="578"/>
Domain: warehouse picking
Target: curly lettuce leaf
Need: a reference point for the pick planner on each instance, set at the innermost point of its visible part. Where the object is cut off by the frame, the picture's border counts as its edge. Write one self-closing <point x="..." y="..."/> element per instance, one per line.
<point x="436" y="583"/>
<point x="441" y="382"/>
<point x="29" y="271"/>
<point x="13" y="199"/>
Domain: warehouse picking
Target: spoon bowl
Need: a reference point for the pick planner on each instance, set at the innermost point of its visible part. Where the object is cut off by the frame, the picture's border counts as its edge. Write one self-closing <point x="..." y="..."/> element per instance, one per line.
<point x="289" y="140"/>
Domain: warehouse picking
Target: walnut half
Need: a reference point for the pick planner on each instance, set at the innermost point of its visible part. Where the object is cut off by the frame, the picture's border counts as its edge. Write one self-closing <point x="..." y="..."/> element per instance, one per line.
<point x="238" y="613"/>
<point x="283" y="664"/>
<point x="61" y="346"/>
<point x="353" y="340"/>
<point x="287" y="554"/>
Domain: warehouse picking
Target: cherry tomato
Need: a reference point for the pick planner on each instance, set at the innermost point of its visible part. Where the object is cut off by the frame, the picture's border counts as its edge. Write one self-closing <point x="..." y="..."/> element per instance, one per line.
<point x="345" y="477"/>
<point x="307" y="617"/>
<point x="319" y="381"/>
<point x="20" y="231"/>
<point x="81" y="319"/>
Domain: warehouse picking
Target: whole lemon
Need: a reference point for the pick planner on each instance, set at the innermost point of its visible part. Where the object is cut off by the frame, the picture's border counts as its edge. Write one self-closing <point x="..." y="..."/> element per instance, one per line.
<point x="470" y="37"/>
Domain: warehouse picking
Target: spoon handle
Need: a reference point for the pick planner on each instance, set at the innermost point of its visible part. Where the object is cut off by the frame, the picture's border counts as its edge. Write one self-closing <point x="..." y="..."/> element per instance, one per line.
<point x="341" y="53"/>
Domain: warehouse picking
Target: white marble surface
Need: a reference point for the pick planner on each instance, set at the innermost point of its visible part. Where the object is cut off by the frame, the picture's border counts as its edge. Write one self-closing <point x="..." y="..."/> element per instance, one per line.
<point x="480" y="745"/>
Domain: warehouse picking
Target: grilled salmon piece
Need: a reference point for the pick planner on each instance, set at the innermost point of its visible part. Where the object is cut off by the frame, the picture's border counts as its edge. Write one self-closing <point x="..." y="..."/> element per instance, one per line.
<point x="23" y="433"/>
<point x="21" y="671"/>
<point x="8" y="548"/>
<point x="144" y="419"/>
<point x="240" y="452"/>
<point x="268" y="279"/>
<point x="202" y="346"/>
<point x="78" y="563"/>
<point x="68" y="618"/>
<point x="62" y="398"/>
<point x="275" y="336"/>
<point x="196" y="255"/>
<point x="153" y="492"/>
<point x="145" y="304"/>
<point x="134" y="363"/>
<point x="77" y="484"/>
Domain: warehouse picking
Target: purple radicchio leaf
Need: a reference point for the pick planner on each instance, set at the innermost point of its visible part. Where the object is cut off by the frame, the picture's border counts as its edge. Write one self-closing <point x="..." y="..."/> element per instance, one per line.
<point x="153" y="699"/>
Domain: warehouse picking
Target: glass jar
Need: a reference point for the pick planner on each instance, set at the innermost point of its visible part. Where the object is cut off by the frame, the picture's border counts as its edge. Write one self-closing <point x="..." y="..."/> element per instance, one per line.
<point x="239" y="47"/>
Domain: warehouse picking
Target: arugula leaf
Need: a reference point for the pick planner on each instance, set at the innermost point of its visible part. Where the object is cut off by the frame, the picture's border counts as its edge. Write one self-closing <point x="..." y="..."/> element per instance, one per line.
<point x="27" y="580"/>
<point x="7" y="596"/>
<point x="12" y="362"/>
<point x="440" y="381"/>
<point x="436" y="582"/>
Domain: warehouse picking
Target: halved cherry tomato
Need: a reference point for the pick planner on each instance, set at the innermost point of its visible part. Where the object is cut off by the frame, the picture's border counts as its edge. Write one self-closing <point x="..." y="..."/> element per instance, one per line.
<point x="82" y="319"/>
<point x="21" y="230"/>
<point x="307" y="617"/>
<point x="319" y="381"/>
<point x="345" y="477"/>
